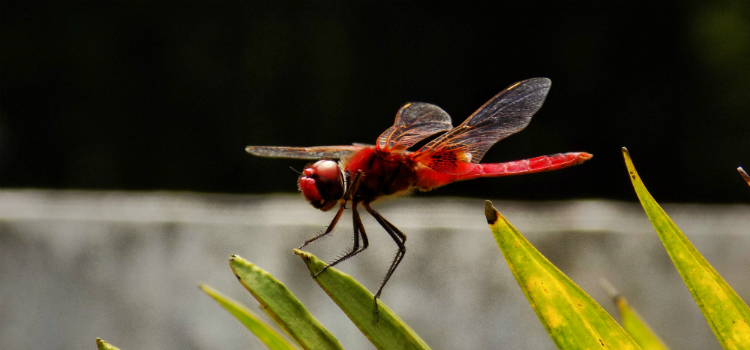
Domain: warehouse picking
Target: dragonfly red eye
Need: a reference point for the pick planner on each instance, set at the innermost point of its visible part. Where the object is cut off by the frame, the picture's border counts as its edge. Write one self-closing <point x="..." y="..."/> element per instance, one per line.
<point x="322" y="184"/>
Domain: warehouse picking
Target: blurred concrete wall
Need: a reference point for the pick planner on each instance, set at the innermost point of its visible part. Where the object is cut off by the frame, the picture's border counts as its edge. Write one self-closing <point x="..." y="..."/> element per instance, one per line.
<point x="125" y="267"/>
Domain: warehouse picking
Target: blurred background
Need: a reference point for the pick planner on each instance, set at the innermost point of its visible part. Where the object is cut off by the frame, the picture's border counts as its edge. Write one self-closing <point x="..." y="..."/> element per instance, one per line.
<point x="116" y="120"/>
<point x="147" y="96"/>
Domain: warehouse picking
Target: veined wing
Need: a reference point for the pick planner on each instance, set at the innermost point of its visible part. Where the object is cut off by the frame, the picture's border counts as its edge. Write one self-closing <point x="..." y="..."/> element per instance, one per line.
<point x="319" y="152"/>
<point x="507" y="113"/>
<point x="414" y="122"/>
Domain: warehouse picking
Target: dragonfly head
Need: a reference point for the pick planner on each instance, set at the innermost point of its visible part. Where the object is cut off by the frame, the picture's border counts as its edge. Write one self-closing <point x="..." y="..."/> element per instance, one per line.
<point x="322" y="184"/>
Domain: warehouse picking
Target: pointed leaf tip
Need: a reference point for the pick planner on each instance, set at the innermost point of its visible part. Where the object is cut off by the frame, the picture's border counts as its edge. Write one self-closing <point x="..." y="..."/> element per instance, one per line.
<point x="103" y="345"/>
<point x="313" y="263"/>
<point x="744" y="175"/>
<point x="637" y="327"/>
<point x="609" y="289"/>
<point x="629" y="164"/>
<point x="490" y="212"/>
<point x="626" y="155"/>
<point x="302" y="254"/>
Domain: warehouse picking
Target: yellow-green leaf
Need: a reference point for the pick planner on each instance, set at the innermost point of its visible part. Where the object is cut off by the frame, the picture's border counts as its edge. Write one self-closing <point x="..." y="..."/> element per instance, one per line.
<point x="389" y="332"/>
<point x="638" y="329"/>
<point x="283" y="306"/>
<point x="571" y="317"/>
<point x="267" y="335"/>
<point x="744" y="175"/>
<point x="103" y="345"/>
<point x="633" y="323"/>
<point x="726" y="313"/>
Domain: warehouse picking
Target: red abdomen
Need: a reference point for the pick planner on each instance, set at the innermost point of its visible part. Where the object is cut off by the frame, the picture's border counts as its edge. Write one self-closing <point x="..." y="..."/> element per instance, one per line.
<point x="384" y="173"/>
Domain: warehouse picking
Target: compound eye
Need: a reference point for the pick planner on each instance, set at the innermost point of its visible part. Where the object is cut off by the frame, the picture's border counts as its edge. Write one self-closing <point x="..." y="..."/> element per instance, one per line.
<point x="327" y="170"/>
<point x="322" y="184"/>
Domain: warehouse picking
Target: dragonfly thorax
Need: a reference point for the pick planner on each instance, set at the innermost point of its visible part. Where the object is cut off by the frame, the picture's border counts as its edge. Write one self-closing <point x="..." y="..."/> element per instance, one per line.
<point x="322" y="184"/>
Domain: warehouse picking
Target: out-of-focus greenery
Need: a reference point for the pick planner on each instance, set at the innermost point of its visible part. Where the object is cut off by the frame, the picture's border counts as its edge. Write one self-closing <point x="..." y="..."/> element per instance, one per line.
<point x="103" y="345"/>
<point x="632" y="322"/>
<point x="265" y="333"/>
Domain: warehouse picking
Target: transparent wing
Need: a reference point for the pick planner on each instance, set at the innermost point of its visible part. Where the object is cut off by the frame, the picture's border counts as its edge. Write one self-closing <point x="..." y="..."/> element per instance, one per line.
<point x="505" y="114"/>
<point x="319" y="152"/>
<point x="414" y="122"/>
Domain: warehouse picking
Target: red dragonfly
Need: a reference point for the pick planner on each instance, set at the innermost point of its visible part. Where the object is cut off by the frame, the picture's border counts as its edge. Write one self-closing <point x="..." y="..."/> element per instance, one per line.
<point x="365" y="173"/>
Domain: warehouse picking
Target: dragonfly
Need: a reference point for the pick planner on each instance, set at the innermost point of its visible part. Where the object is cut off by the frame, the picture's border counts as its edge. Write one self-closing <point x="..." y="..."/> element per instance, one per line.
<point x="360" y="174"/>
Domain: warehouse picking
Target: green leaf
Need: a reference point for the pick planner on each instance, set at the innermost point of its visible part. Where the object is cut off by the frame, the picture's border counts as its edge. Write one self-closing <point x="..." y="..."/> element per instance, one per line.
<point x="283" y="306"/>
<point x="632" y="322"/>
<point x="571" y="317"/>
<point x="638" y="329"/>
<point x="267" y="335"/>
<point x="726" y="313"/>
<point x="103" y="345"/>
<point x="388" y="333"/>
<point x="744" y="175"/>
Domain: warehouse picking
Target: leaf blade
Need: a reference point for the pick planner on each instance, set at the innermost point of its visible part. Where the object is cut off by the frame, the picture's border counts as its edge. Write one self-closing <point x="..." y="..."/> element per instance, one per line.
<point x="637" y="327"/>
<point x="283" y="306"/>
<point x="267" y="335"/>
<point x="388" y="333"/>
<point x="572" y="319"/>
<point x="727" y="314"/>
<point x="633" y="323"/>
<point x="103" y="345"/>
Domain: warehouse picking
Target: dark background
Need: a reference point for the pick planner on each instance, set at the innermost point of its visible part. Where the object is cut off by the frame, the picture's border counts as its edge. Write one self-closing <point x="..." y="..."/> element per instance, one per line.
<point x="166" y="97"/>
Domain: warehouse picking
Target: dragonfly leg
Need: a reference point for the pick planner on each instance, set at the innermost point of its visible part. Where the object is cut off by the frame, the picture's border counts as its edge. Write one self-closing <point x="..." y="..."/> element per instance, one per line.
<point x="351" y="189"/>
<point x="330" y="226"/>
<point x="400" y="239"/>
<point x="359" y="231"/>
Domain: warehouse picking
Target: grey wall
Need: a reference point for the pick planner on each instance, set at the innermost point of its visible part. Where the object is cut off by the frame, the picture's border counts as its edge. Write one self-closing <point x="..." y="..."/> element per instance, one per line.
<point x="125" y="267"/>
